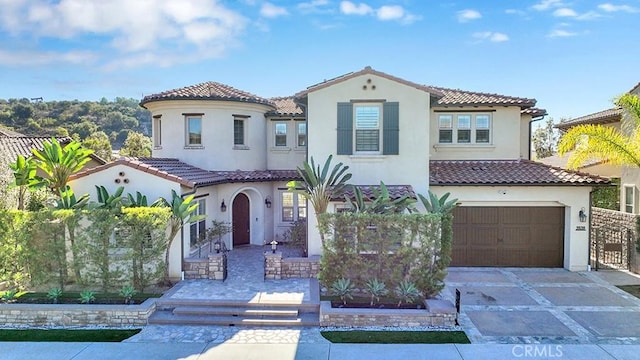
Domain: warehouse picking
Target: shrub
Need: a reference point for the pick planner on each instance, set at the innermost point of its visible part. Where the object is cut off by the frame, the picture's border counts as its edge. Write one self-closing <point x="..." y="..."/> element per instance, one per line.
<point x="127" y="293"/>
<point x="407" y="291"/>
<point x="87" y="297"/>
<point x="377" y="289"/>
<point x="344" y="289"/>
<point x="54" y="294"/>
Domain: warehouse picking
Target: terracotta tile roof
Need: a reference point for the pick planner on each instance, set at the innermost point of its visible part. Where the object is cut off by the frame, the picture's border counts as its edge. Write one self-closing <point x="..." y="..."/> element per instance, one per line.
<point x="470" y="98"/>
<point x="601" y="117"/>
<point x="506" y="172"/>
<point x="12" y="146"/>
<point x="286" y="106"/>
<point x="395" y="192"/>
<point x="534" y="112"/>
<point x="367" y="71"/>
<point x="192" y="176"/>
<point x="207" y="91"/>
<point x="6" y="132"/>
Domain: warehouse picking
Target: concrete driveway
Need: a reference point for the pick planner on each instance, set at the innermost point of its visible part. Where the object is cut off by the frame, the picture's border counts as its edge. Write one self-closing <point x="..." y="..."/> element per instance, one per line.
<point x="523" y="305"/>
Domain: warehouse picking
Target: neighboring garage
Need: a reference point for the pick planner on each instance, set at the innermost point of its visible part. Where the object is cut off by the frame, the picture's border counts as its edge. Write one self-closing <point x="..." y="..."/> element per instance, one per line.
<point x="508" y="236"/>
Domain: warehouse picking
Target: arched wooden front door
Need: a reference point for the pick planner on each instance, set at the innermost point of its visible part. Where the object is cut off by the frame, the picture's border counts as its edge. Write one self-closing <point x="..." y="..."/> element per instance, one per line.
<point x="241" y="220"/>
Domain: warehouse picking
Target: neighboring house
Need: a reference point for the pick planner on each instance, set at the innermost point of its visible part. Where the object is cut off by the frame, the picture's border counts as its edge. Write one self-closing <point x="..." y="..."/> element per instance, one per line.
<point x="610" y="117"/>
<point x="13" y="144"/>
<point x="236" y="151"/>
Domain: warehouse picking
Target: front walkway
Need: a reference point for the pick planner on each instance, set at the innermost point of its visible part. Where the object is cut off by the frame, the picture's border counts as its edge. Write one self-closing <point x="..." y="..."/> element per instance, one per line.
<point x="245" y="282"/>
<point x="551" y="306"/>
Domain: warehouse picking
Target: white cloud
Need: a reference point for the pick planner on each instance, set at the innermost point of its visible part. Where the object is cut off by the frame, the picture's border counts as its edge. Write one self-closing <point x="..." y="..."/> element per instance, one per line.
<point x="608" y="7"/>
<point x="589" y="15"/>
<point x="313" y="6"/>
<point x="564" y="12"/>
<point x="561" y="33"/>
<point x="139" y="30"/>
<point x="491" y="36"/>
<point x="515" y="12"/>
<point x="349" y="8"/>
<point x="33" y="58"/>
<point x="269" y="10"/>
<point x="383" y="13"/>
<point x="547" y="4"/>
<point x="468" y="15"/>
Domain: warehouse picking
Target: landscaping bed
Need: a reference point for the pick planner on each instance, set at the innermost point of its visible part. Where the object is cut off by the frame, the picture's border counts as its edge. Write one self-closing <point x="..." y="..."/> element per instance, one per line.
<point x="74" y="298"/>
<point x="396" y="337"/>
<point x="365" y="303"/>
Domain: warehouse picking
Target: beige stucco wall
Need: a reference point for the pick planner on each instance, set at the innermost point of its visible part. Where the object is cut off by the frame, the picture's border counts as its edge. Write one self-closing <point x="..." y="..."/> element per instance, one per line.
<point x="151" y="186"/>
<point x="573" y="198"/>
<point x="284" y="157"/>
<point x="410" y="167"/>
<point x="218" y="151"/>
<point x="507" y="136"/>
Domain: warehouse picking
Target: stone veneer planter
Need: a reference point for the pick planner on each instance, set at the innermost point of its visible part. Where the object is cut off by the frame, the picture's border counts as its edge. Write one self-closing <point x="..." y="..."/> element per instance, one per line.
<point x="76" y="314"/>
<point x="440" y="313"/>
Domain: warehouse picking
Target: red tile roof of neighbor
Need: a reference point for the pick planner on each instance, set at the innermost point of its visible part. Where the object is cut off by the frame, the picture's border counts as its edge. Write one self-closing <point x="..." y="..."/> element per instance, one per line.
<point x="458" y="97"/>
<point x="286" y="106"/>
<point x="207" y="91"/>
<point x="12" y="146"/>
<point x="192" y="176"/>
<point x="506" y="172"/>
<point x="601" y="117"/>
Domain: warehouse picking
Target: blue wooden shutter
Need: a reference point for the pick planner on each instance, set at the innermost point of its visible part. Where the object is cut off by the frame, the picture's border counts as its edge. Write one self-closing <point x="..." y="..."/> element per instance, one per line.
<point x="345" y="129"/>
<point x="390" y="128"/>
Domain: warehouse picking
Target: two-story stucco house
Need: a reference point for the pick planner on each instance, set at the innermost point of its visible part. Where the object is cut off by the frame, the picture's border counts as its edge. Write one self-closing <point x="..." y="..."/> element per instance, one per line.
<point x="236" y="151"/>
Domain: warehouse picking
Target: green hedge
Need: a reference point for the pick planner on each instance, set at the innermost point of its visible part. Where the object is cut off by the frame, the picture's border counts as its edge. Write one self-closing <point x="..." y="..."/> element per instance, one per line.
<point x="95" y="248"/>
<point x="391" y="248"/>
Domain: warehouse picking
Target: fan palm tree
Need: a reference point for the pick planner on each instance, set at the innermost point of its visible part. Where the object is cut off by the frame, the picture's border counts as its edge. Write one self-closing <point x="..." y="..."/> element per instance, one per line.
<point x="616" y="147"/>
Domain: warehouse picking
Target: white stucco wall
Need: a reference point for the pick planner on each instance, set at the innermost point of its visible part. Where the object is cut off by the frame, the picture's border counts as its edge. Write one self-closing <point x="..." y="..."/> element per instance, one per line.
<point x="284" y="157"/>
<point x="506" y="130"/>
<point x="218" y="151"/>
<point x="573" y="198"/>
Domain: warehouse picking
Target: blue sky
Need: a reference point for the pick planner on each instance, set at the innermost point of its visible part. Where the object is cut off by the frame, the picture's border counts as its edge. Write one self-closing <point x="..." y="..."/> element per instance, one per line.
<point x="574" y="57"/>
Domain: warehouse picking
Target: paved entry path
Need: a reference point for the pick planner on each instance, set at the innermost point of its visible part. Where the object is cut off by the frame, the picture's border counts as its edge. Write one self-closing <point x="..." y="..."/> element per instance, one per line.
<point x="245" y="282"/>
<point x="552" y="306"/>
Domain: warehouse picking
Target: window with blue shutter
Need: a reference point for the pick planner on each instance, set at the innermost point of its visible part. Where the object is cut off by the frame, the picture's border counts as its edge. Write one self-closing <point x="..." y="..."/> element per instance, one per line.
<point x="345" y="129"/>
<point x="390" y="128"/>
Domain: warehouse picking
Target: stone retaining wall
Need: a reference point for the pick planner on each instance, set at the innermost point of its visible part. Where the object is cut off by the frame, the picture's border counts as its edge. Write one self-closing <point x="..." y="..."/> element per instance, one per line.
<point x="20" y="315"/>
<point x="616" y="220"/>
<point x="213" y="267"/>
<point x="439" y="313"/>
<point x="276" y="268"/>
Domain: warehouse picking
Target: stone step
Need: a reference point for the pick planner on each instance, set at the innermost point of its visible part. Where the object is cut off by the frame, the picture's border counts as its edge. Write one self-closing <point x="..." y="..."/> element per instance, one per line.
<point x="170" y="304"/>
<point x="235" y="311"/>
<point x="169" y="318"/>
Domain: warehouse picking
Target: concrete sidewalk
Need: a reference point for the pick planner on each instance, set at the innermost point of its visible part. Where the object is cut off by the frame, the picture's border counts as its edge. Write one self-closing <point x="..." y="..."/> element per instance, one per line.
<point x="193" y="351"/>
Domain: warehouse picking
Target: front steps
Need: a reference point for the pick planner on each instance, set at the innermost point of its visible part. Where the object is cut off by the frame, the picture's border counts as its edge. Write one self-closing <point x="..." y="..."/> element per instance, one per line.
<point x="235" y="313"/>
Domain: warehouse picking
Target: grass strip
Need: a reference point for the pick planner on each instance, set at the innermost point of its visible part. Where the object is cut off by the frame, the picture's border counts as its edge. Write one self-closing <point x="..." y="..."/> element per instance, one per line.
<point x="64" y="335"/>
<point x="631" y="289"/>
<point x="396" y="337"/>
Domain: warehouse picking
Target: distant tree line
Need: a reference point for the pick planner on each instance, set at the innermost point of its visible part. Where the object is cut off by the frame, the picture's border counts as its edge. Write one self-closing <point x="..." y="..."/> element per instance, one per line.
<point x="96" y="121"/>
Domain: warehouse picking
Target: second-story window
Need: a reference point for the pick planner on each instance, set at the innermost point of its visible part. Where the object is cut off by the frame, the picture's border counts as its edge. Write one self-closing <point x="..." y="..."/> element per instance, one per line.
<point x="367" y="123"/>
<point x="157" y="130"/>
<point x="281" y="134"/>
<point x="238" y="132"/>
<point x="464" y="128"/>
<point x="194" y="130"/>
<point x="302" y="134"/>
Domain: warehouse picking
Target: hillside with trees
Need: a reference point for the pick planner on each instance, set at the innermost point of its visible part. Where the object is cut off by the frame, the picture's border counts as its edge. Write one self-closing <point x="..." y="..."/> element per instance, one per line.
<point x="78" y="119"/>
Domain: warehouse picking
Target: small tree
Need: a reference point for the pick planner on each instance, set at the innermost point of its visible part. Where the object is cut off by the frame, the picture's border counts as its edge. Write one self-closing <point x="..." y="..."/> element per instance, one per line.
<point x="545" y="139"/>
<point x="25" y="178"/>
<point x="217" y="230"/>
<point x="101" y="145"/>
<point x="60" y="162"/>
<point x="136" y="145"/>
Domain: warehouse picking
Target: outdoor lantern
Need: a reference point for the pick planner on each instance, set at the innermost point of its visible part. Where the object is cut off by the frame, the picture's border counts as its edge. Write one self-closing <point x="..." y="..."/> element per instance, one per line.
<point x="582" y="215"/>
<point x="216" y="247"/>
<point x="223" y="207"/>
<point x="267" y="202"/>
<point x="274" y="245"/>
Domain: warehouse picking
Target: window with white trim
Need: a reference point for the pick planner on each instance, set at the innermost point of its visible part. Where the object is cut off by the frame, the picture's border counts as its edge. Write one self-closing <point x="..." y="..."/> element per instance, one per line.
<point x="280" y="134"/>
<point x="464" y="128"/>
<point x="367" y="128"/>
<point x="302" y="134"/>
<point x="239" y="131"/>
<point x="193" y="130"/>
<point x="157" y="131"/>
<point x="294" y="206"/>
<point x="198" y="228"/>
<point x="629" y="199"/>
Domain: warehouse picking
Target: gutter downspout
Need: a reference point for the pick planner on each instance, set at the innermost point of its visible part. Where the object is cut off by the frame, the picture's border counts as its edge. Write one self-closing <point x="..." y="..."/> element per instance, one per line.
<point x="304" y="108"/>
<point x="589" y="232"/>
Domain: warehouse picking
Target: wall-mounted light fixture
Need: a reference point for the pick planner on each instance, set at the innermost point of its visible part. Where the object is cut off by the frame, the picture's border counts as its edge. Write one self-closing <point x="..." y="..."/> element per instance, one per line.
<point x="582" y="215"/>
<point x="223" y="206"/>
<point x="267" y="202"/>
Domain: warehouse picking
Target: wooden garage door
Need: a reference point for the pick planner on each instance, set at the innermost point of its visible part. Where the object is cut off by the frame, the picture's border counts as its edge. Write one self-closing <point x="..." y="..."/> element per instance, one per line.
<point x="508" y="236"/>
